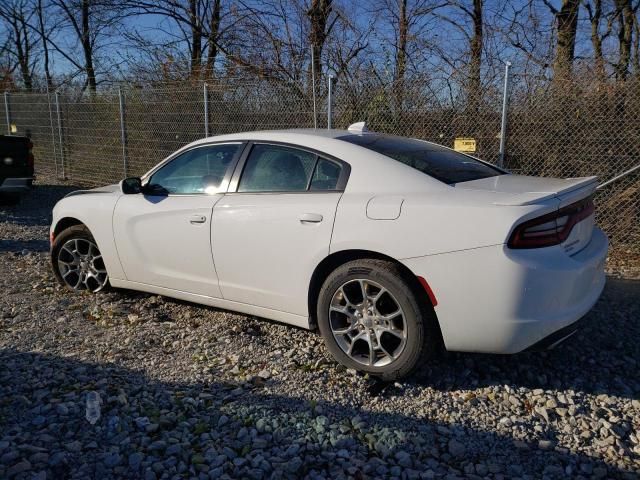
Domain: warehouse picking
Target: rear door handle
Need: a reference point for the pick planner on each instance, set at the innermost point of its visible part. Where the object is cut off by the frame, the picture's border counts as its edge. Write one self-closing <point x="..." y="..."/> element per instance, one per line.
<point x="310" y="218"/>
<point x="197" y="219"/>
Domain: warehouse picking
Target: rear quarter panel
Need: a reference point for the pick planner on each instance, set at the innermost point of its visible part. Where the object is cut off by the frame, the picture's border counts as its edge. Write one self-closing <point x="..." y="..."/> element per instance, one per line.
<point x="428" y="224"/>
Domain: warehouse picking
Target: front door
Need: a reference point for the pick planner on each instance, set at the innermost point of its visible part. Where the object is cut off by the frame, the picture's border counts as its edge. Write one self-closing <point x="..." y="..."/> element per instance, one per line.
<point x="163" y="235"/>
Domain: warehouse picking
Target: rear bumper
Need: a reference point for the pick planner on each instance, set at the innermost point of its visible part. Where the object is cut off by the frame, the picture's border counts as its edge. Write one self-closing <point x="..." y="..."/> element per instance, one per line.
<point x="498" y="300"/>
<point x="16" y="185"/>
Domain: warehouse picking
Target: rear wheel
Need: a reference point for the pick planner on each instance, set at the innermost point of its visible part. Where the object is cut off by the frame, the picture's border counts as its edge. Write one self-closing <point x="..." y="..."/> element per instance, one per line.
<point x="77" y="261"/>
<point x="372" y="321"/>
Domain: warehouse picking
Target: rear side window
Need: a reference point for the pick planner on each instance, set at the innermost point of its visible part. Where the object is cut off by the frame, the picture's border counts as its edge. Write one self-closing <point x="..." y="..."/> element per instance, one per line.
<point x="438" y="162"/>
<point x="326" y="175"/>
<point x="274" y="168"/>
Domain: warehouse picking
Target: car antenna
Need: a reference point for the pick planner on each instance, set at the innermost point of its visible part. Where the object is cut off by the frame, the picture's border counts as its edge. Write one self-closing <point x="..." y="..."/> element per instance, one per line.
<point x="360" y="127"/>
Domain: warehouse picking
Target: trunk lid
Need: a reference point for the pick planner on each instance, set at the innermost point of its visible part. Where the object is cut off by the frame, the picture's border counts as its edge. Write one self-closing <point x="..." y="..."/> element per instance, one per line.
<point x="526" y="190"/>
<point x="518" y="190"/>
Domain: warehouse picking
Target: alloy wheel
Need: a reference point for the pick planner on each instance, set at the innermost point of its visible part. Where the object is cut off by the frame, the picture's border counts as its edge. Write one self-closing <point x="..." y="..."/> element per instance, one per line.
<point x="368" y="322"/>
<point x="81" y="265"/>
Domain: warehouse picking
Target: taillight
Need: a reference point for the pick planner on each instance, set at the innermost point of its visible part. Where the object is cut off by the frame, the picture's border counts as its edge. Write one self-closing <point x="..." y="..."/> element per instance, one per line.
<point x="551" y="229"/>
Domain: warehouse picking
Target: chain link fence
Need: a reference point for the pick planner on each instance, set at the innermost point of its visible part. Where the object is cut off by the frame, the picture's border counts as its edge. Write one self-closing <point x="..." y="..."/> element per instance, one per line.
<point x="553" y="129"/>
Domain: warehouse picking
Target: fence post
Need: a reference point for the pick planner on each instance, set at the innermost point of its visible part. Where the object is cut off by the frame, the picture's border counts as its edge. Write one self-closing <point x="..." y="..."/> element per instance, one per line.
<point x="123" y="132"/>
<point x="7" y="112"/>
<point x="57" y="95"/>
<point x="53" y="134"/>
<point x="313" y="86"/>
<point x="505" y="104"/>
<point x="329" y="102"/>
<point x="205" y="92"/>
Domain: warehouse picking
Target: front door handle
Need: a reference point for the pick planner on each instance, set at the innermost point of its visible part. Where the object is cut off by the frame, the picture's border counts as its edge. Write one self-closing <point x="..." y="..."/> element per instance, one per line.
<point x="310" y="218"/>
<point x="197" y="219"/>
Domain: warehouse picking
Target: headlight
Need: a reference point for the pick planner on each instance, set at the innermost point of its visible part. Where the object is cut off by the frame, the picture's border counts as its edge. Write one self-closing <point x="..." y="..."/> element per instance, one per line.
<point x="8" y="161"/>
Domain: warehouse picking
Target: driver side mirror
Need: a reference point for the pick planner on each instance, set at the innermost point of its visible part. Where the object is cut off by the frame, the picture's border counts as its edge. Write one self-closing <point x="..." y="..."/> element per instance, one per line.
<point x="131" y="185"/>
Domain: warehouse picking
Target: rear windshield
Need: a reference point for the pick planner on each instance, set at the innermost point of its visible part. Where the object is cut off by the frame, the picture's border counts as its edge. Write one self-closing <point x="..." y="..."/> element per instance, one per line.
<point x="438" y="162"/>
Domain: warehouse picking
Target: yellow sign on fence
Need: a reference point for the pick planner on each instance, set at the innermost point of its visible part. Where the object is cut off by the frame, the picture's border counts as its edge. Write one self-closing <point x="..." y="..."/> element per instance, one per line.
<point x="465" y="145"/>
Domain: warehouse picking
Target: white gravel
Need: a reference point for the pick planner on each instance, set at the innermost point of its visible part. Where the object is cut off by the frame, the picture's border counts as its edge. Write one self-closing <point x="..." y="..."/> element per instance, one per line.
<point x="193" y="392"/>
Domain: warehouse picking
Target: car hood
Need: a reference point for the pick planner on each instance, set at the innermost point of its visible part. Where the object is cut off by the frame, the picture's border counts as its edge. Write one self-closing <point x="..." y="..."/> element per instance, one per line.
<point x="525" y="190"/>
<point x="115" y="188"/>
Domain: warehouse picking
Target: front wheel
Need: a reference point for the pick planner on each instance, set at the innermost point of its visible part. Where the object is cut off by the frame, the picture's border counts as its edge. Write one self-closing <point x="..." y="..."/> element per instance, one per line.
<point x="372" y="321"/>
<point x="77" y="262"/>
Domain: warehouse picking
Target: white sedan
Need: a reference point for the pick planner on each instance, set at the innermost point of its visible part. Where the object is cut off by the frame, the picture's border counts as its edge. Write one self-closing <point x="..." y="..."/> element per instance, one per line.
<point x="392" y="247"/>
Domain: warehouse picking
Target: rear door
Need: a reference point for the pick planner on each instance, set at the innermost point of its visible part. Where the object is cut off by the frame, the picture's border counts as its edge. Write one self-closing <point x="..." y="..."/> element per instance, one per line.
<point x="275" y="224"/>
<point x="163" y="235"/>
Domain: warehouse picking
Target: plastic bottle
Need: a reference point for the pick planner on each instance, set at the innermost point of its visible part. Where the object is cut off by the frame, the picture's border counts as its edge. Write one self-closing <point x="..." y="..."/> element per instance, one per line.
<point x="93" y="407"/>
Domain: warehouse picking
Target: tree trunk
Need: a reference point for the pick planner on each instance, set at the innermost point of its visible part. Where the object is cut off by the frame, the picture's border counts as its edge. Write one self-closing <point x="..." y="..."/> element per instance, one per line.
<point x="626" y="20"/>
<point x="318" y="15"/>
<point x="196" y="38"/>
<point x="596" y="41"/>
<point x="567" y="25"/>
<point x="45" y="45"/>
<point x="401" y="54"/>
<point x="23" y="52"/>
<point x="87" y="46"/>
<point x="474" y="91"/>
<point x="214" y="32"/>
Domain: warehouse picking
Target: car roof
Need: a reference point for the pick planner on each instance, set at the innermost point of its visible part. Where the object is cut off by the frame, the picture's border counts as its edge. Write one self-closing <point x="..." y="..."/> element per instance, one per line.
<point x="370" y="171"/>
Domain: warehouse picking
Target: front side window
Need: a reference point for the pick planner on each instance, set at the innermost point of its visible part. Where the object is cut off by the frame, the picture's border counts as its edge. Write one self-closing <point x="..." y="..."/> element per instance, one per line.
<point x="197" y="171"/>
<point x="438" y="162"/>
<point x="273" y="168"/>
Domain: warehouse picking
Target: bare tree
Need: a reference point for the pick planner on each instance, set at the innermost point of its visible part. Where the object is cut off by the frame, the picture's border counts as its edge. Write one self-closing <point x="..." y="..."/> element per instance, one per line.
<point x="626" y="19"/>
<point x="202" y="26"/>
<point x="467" y="16"/>
<point x="566" y="20"/>
<point x="596" y="16"/>
<point x="17" y="14"/>
<point x="44" y="35"/>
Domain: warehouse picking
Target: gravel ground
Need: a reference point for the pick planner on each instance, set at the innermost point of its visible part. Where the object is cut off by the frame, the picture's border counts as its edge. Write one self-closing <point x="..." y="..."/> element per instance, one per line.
<point x="194" y="392"/>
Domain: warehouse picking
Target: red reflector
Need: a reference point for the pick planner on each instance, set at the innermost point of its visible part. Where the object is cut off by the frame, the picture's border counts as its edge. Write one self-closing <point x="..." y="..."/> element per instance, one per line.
<point x="51" y="238"/>
<point x="427" y="289"/>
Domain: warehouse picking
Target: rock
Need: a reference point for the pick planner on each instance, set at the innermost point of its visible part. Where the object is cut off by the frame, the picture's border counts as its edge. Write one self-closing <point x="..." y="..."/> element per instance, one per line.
<point x="135" y="460"/>
<point x="456" y="448"/>
<point x="19" y="468"/>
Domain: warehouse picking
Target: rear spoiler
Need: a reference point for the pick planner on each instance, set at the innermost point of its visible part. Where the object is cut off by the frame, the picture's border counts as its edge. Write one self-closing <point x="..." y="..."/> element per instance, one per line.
<point x="573" y="187"/>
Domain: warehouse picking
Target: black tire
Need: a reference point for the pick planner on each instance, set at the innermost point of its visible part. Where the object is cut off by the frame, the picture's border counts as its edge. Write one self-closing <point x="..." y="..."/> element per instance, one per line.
<point x="422" y="332"/>
<point x="80" y="232"/>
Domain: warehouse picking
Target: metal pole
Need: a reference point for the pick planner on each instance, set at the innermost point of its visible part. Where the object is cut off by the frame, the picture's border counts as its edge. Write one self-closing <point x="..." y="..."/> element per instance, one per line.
<point x="313" y="85"/>
<point x="618" y="177"/>
<point x="6" y="110"/>
<point x="57" y="95"/>
<point x="206" y="109"/>
<point x="505" y="102"/>
<point x="53" y="134"/>
<point x="123" y="132"/>
<point x="329" y="102"/>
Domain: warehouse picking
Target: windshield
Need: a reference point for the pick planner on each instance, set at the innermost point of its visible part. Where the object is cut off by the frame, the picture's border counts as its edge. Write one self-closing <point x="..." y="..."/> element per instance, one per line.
<point x="443" y="164"/>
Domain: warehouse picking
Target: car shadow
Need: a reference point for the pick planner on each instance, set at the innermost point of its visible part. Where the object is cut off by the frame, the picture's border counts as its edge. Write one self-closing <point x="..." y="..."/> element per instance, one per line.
<point x="600" y="359"/>
<point x="588" y="362"/>
<point x="34" y="207"/>
<point x="33" y="385"/>
<point x="24" y="246"/>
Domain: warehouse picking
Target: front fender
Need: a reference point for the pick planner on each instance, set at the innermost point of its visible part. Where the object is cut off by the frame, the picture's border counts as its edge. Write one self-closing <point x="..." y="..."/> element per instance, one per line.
<point x="95" y="210"/>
